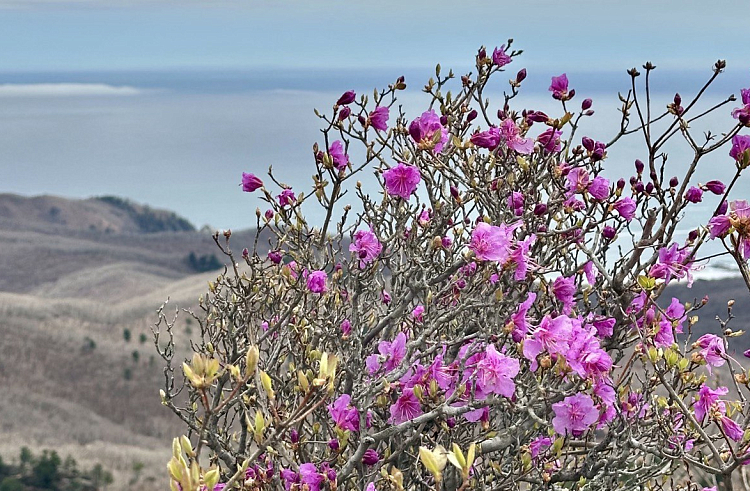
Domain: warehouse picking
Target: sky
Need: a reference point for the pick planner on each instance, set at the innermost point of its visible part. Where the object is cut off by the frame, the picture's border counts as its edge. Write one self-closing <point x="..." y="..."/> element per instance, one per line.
<point x="167" y="102"/>
<point x="157" y="34"/>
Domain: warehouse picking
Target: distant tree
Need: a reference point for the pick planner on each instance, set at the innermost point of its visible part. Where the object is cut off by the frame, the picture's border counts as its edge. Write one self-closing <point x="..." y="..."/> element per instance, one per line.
<point x="126" y="335"/>
<point x="136" y="356"/>
<point x="46" y="471"/>
<point x="142" y="338"/>
<point x="206" y="262"/>
<point x="11" y="484"/>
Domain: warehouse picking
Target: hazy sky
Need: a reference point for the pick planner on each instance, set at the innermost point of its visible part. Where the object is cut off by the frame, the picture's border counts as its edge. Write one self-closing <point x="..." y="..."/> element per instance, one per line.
<point x="153" y="34"/>
<point x="167" y="102"/>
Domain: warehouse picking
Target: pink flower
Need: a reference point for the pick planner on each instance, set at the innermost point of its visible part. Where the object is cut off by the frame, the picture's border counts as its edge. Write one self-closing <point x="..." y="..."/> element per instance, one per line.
<point x="428" y="133"/>
<point x="391" y="353"/>
<point x="709" y="399"/>
<point x="519" y="320"/>
<point x="367" y="247"/>
<point x="309" y="475"/>
<point x="625" y="207"/>
<point x="743" y="113"/>
<point x="520" y="256"/>
<point x="405" y="408"/>
<point x="316" y="282"/>
<point x="712" y="350"/>
<point x="740" y="150"/>
<point x="346" y="327"/>
<point x="500" y="57"/>
<point x="559" y="88"/>
<point x="495" y="373"/>
<point x="492" y="243"/>
<point x="250" y="182"/>
<point x="539" y="445"/>
<point x="599" y="188"/>
<point x="509" y="132"/>
<point x="673" y="263"/>
<point x="564" y="290"/>
<point x="343" y="414"/>
<point x="402" y="180"/>
<point x="694" y="195"/>
<point x="378" y="118"/>
<point x="489" y="139"/>
<point x="574" y="415"/>
<point x="338" y="155"/>
<point x="578" y="180"/>
<point x="418" y="313"/>
<point x="731" y="428"/>
<point x="552" y="335"/>
<point x="286" y="197"/>
<point x="550" y="140"/>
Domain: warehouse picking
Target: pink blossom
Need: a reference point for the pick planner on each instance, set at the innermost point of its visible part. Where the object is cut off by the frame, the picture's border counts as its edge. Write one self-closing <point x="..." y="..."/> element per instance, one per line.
<point x="346" y="327"/>
<point x="343" y="414"/>
<point x="391" y="353"/>
<point x="625" y="207"/>
<point x="599" y="188"/>
<point x="338" y="155"/>
<point x="552" y="335"/>
<point x="316" y="282"/>
<point x="712" y="350"/>
<point x="550" y="140"/>
<point x="740" y="150"/>
<point x="709" y="399"/>
<point x="500" y="57"/>
<point x="559" y="88"/>
<point x="418" y="313"/>
<point x="405" y="408"/>
<point x="489" y="139"/>
<point x="250" y="182"/>
<point x="492" y="243"/>
<point x="367" y="247"/>
<point x="428" y="133"/>
<point x="539" y="445"/>
<point x="564" y="290"/>
<point x="520" y="256"/>
<point x="402" y="180"/>
<point x="371" y="457"/>
<point x="509" y="132"/>
<point x="731" y="428"/>
<point x="574" y="414"/>
<point x="673" y="263"/>
<point x="519" y="320"/>
<point x="309" y="475"/>
<point x="495" y="373"/>
<point x="743" y="113"/>
<point x="378" y="118"/>
<point x="286" y="197"/>
<point x="578" y="180"/>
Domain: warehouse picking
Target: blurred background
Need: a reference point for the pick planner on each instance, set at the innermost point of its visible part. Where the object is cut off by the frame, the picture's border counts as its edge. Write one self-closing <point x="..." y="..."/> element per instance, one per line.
<point x="125" y="126"/>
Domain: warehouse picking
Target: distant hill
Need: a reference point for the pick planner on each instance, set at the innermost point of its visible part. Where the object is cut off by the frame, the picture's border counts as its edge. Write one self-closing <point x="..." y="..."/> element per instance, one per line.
<point x="80" y="281"/>
<point x="108" y="214"/>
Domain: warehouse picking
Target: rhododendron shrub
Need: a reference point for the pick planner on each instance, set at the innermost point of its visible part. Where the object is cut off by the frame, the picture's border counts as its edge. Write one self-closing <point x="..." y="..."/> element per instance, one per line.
<point x="488" y="319"/>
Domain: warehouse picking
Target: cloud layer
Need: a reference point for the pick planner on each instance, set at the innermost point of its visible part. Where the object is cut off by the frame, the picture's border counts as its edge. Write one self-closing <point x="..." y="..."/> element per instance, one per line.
<point x="65" y="89"/>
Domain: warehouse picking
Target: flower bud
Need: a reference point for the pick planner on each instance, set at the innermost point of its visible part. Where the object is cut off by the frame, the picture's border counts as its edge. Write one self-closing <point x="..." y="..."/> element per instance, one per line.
<point x="521" y="75"/>
<point x="639" y="166"/>
<point x="346" y="98"/>
<point x="638" y="187"/>
<point x="540" y="209"/>
<point x="694" y="195"/>
<point x="674" y="182"/>
<point x="722" y="208"/>
<point x="608" y="232"/>
<point x="620" y="183"/>
<point x="693" y="235"/>
<point x="471" y="116"/>
<point x="344" y="113"/>
<point x="586" y="104"/>
<point x="716" y="187"/>
<point x="588" y="143"/>
<point x="649" y="188"/>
